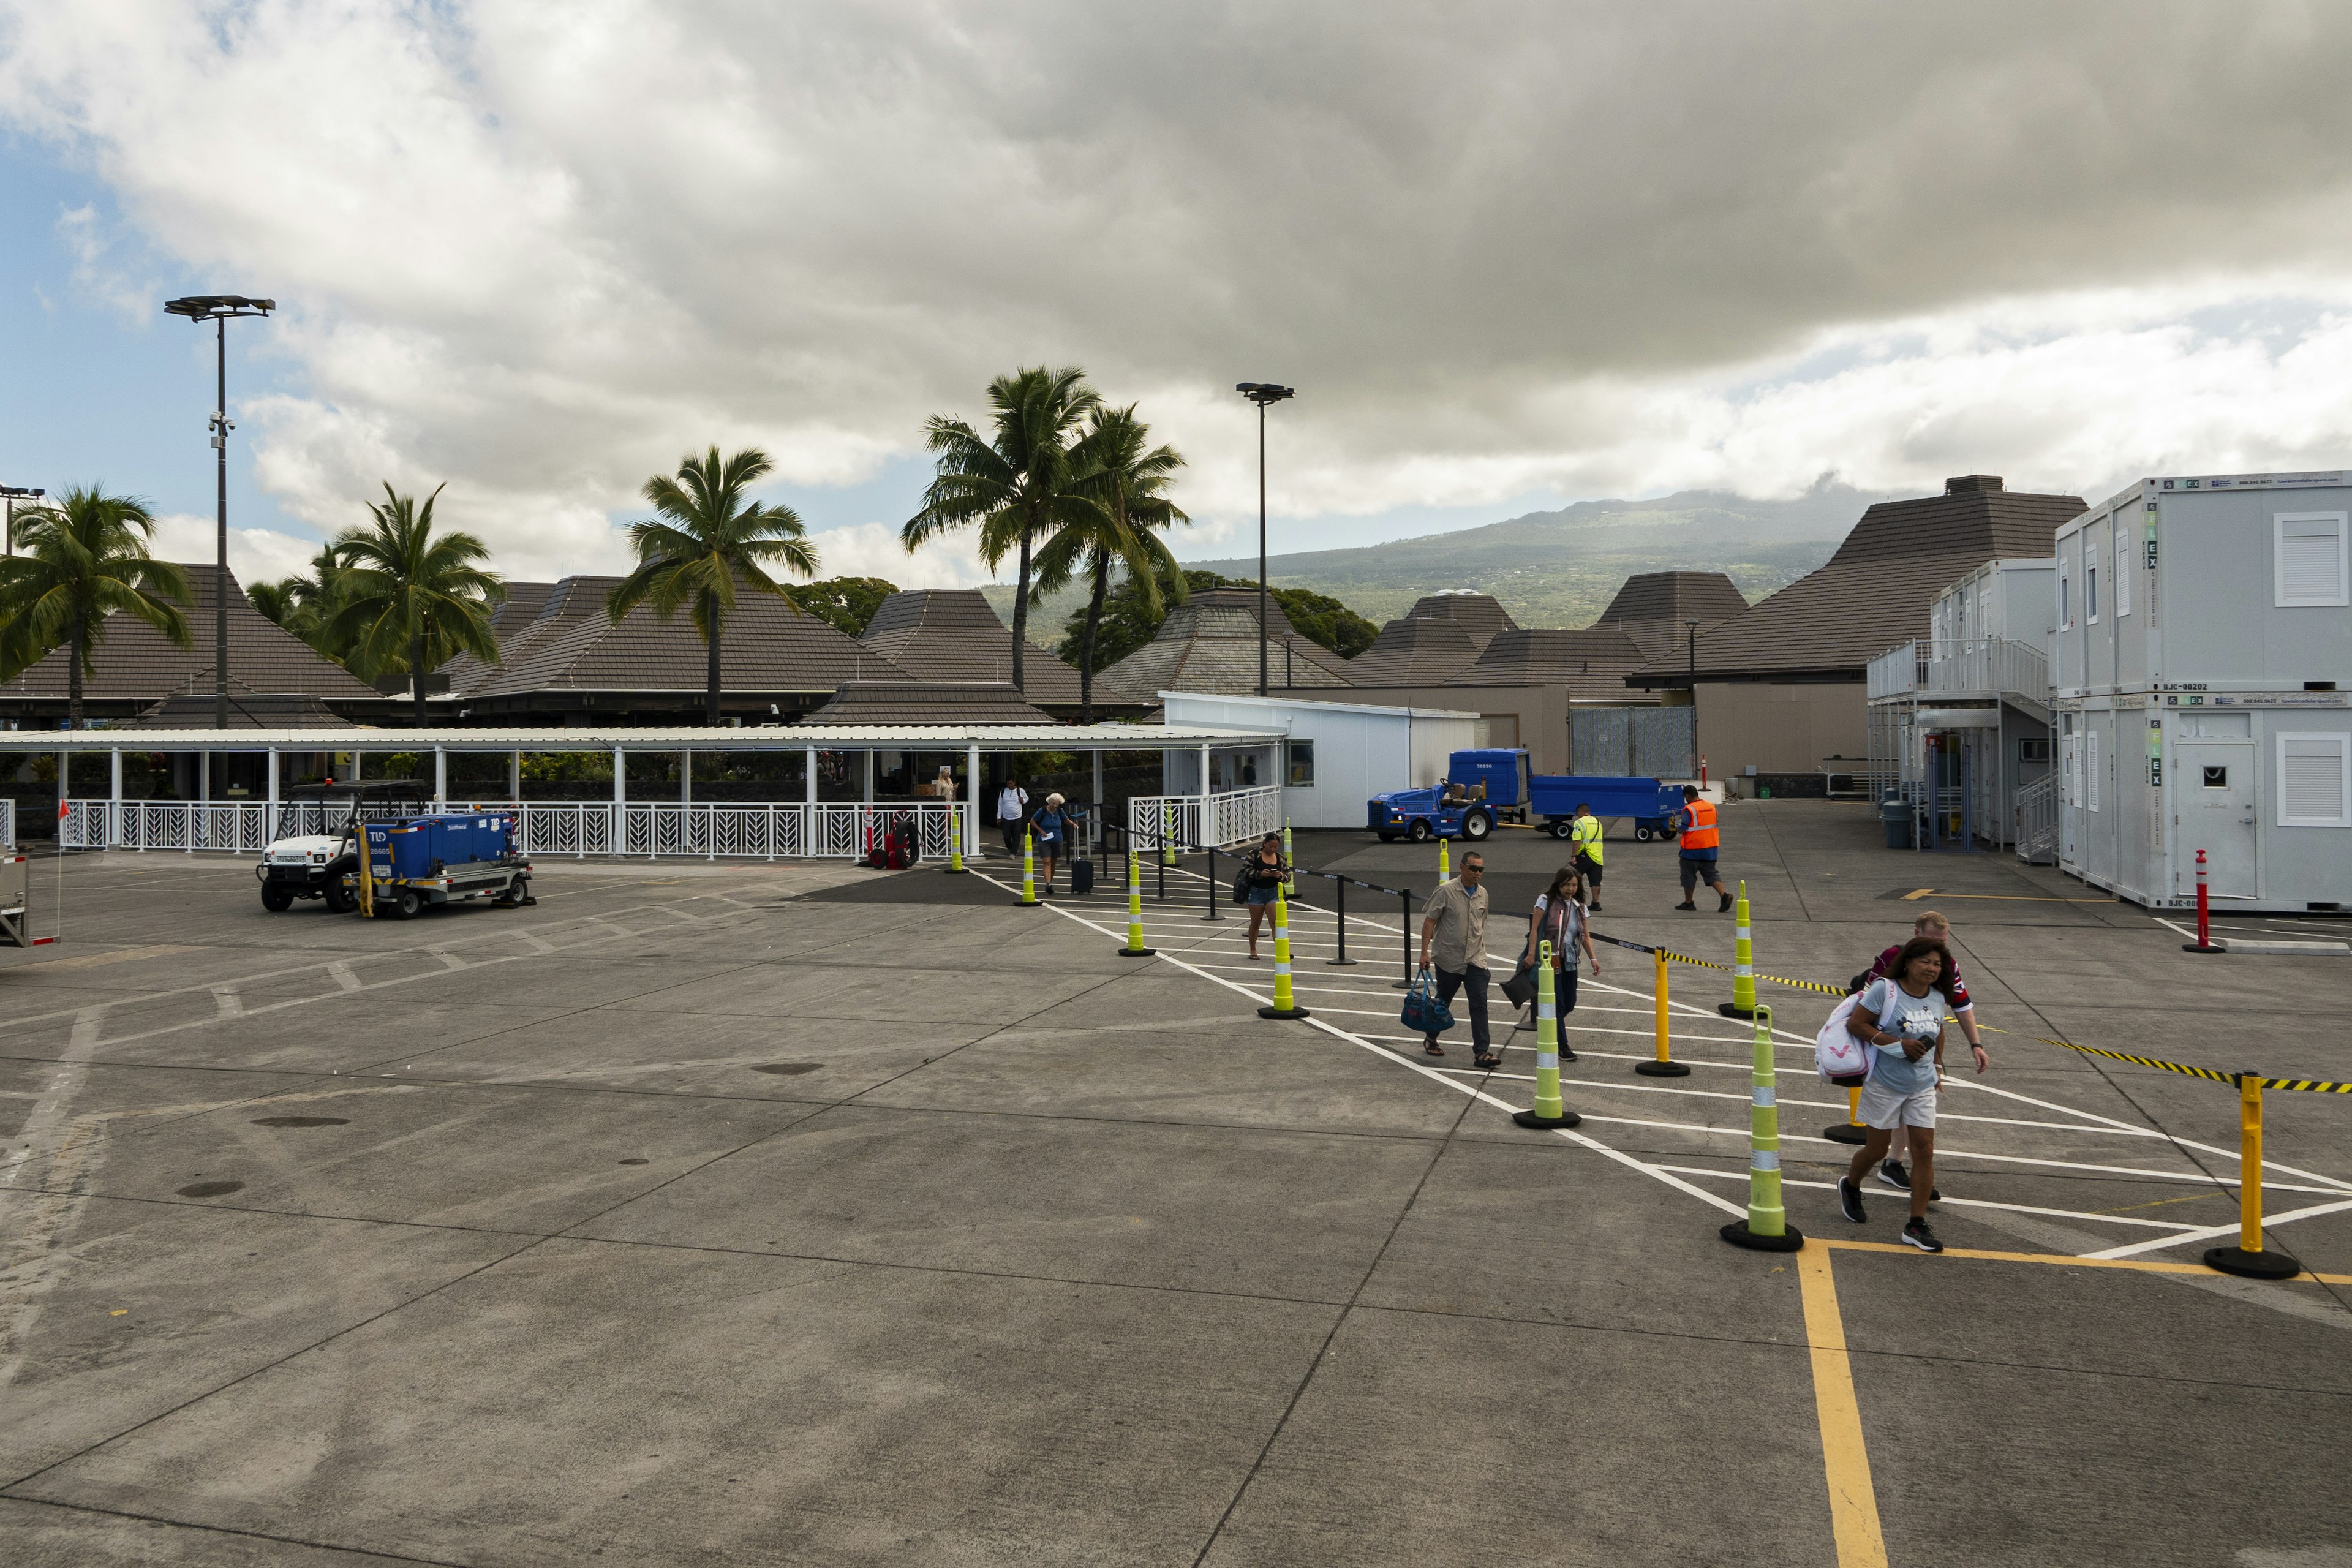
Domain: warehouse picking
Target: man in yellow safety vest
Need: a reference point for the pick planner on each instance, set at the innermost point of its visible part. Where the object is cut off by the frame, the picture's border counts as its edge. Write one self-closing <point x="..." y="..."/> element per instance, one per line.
<point x="1585" y="834"/>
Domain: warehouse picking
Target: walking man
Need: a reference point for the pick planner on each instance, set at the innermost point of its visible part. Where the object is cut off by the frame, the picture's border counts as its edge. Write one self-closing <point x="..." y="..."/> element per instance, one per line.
<point x="1454" y="938"/>
<point x="1699" y="844"/>
<point x="1011" y="815"/>
<point x="1585" y="834"/>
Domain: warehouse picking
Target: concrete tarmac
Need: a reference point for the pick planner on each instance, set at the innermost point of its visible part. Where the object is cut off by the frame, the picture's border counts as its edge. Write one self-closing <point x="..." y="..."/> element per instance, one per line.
<point x="718" y="1213"/>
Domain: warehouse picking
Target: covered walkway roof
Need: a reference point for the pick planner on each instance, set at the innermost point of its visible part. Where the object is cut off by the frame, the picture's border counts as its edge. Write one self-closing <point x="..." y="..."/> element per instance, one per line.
<point x="585" y="737"/>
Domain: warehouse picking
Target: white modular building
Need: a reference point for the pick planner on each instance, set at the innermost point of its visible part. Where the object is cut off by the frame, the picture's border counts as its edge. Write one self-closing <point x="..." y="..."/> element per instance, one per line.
<point x="1335" y="756"/>
<point x="2199" y="670"/>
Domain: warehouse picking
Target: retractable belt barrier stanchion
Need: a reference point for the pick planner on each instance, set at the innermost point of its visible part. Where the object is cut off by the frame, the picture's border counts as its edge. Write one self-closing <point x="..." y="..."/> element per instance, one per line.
<point x="1766" y="1226"/>
<point x="1743" y="963"/>
<point x="1665" y="1066"/>
<point x="2248" y="1257"/>
<point x="1549" y="1112"/>
<point x="1135" y="947"/>
<point x="1286" y="1005"/>
<point x="1850" y="1130"/>
<point x="1213" y="914"/>
<point x="1406" y="927"/>
<point x="1340" y="897"/>
<point x="1029" y="871"/>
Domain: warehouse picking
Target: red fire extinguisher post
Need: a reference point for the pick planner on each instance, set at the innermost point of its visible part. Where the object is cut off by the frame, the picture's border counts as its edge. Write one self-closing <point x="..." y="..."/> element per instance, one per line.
<point x="2204" y="943"/>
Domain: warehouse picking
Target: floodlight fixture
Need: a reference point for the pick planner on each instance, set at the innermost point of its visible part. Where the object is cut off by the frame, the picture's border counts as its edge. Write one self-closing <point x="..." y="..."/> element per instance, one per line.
<point x="220" y="310"/>
<point x="1264" y="394"/>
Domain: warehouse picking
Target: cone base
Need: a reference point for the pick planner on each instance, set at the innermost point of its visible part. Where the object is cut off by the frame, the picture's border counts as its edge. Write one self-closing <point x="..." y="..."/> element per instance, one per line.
<point x="2251" y="1265"/>
<point x="1282" y="1013"/>
<point x="1137" y="951"/>
<point x="955" y="870"/>
<point x="1737" y="1232"/>
<point x="2192" y="947"/>
<point x="1343" y="962"/>
<point x="1734" y="1010"/>
<point x="1028" y="903"/>
<point x="1529" y="1119"/>
<point x="1846" y="1132"/>
<point x="1213" y="917"/>
<point x="1663" y="1070"/>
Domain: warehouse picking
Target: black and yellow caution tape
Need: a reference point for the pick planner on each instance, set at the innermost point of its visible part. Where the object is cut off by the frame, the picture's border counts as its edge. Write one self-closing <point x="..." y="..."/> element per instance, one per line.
<point x="2213" y="1075"/>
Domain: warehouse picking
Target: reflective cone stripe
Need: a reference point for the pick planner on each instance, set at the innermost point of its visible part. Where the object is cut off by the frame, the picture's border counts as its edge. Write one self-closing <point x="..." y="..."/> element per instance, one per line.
<point x="1766" y="1214"/>
<point x="1548" y="1102"/>
<point x="1281" y="997"/>
<point x="1743" y="955"/>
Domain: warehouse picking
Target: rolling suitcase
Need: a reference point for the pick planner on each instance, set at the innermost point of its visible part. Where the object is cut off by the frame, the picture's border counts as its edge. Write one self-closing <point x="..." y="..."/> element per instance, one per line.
<point x="1082" y="876"/>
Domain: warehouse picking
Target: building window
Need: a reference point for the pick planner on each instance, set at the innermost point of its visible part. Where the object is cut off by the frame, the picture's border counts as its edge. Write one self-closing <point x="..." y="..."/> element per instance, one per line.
<point x="2315" y="780"/>
<point x="2034" y="749"/>
<point x="2091" y="771"/>
<point x="2065" y="603"/>
<point x="2090" y="584"/>
<point x="1299" y="766"/>
<point x="2122" y="568"/>
<point x="2217" y="778"/>
<point x="2309" y="556"/>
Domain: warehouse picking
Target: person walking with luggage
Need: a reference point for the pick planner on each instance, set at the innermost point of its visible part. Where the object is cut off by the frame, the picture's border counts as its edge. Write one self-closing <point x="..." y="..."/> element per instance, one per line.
<point x="1011" y="815"/>
<point x="1053" y="826"/>
<point x="1700" y="843"/>
<point x="1955" y="994"/>
<point x="1454" y="940"/>
<point x="1901" y="1017"/>
<point x="1263" y="876"/>
<point x="1559" y="918"/>
<point x="1585" y="834"/>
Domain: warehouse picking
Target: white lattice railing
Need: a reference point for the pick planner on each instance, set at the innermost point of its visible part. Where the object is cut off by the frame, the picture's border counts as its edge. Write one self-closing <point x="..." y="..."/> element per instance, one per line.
<point x="1237" y="816"/>
<point x="769" y="831"/>
<point x="7" y="825"/>
<point x="2036" y="804"/>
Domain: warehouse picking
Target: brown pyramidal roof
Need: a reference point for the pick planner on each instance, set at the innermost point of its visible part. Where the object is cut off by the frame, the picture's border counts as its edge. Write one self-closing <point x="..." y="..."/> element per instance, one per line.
<point x="767" y="645"/>
<point x="1592" y="663"/>
<point x="1655" y="607"/>
<point x="1209" y="643"/>
<point x="1873" y="593"/>
<point x="248" y="709"/>
<point x="1479" y="614"/>
<point x="136" y="663"/>
<point x="1415" y="650"/>
<point x="952" y="634"/>
<point x="946" y="703"/>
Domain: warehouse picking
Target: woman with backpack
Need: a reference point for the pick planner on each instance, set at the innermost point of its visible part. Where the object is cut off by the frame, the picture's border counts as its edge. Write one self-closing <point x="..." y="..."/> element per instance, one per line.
<point x="1559" y="919"/>
<point x="1052" y="829"/>
<point x="1900" y="1016"/>
<point x="1260" y="881"/>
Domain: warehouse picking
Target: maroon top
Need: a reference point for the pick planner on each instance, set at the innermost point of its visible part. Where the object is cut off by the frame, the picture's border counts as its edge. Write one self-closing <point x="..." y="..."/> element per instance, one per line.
<point x="1957" y="990"/>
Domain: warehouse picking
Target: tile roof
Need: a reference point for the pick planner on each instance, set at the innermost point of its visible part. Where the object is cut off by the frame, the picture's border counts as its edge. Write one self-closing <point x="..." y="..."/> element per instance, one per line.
<point x="768" y="645"/>
<point x="1654" y="605"/>
<point x="960" y="703"/>
<point x="1209" y="643"/>
<point x="517" y="610"/>
<point x="953" y="634"/>
<point x="248" y="709"/>
<point x="1592" y="663"/>
<point x="1480" y="615"/>
<point x="1875" y="591"/>
<point x="137" y="663"/>
<point x="1415" y="650"/>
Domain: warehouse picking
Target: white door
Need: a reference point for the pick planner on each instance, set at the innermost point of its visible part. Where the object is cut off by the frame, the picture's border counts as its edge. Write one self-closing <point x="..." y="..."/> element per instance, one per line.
<point x="2214" y="791"/>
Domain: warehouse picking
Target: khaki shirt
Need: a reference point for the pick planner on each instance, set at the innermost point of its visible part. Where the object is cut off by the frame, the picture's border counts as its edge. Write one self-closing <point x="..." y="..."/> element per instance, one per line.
<point x="1461" y="916"/>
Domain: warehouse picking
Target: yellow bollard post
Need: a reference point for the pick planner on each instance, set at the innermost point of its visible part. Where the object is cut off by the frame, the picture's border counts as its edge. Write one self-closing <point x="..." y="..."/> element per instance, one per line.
<point x="1290" y="882"/>
<point x="1444" y="868"/>
<point x="955" y="844"/>
<point x="1135" y="947"/>
<point x="1168" y="833"/>
<point x="1766" y="1226"/>
<point x="1286" y="1005"/>
<point x="1029" y="871"/>
<point x="1665" y="1066"/>
<point x="2248" y="1257"/>
<point x="1743" y="963"/>
<point x="1549" y="1112"/>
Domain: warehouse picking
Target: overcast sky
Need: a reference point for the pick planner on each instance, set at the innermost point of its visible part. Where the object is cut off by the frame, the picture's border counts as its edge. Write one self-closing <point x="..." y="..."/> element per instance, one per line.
<point x="1509" y="256"/>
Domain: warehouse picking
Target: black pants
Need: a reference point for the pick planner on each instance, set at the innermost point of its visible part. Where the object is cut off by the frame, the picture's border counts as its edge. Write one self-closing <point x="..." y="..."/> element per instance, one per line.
<point x="1011" y="827"/>
<point x="1473" y="981"/>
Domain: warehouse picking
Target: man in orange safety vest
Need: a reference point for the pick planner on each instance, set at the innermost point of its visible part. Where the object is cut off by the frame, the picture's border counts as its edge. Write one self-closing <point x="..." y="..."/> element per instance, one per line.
<point x="1700" y="842"/>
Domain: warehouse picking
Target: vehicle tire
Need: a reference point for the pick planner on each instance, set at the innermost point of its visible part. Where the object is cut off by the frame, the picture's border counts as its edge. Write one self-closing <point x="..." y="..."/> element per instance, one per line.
<point x="1476" y="825"/>
<point x="276" y="897"/>
<point x="407" y="904"/>
<point x="1642" y="835"/>
<point x="1421" y="833"/>
<point x="1388" y="837"/>
<point x="1560" y="827"/>
<point x="338" y="897"/>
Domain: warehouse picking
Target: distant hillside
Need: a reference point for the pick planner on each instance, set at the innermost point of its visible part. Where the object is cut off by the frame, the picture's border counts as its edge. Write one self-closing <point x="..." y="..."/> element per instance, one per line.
<point x="1560" y="568"/>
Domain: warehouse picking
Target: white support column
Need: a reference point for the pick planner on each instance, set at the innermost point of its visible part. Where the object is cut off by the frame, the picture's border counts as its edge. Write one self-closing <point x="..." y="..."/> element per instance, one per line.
<point x="870" y="775"/>
<point x="1205" y="793"/>
<point x="204" y="778"/>
<point x="685" y="777"/>
<point x="613" y="840"/>
<point x="514" y="776"/>
<point x="972" y="802"/>
<point x="440" y="778"/>
<point x="114" y="814"/>
<point x="270" y="811"/>
<point x="356" y="766"/>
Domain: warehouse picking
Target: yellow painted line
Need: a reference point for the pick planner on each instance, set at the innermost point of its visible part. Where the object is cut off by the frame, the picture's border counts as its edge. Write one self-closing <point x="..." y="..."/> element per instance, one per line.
<point x="1845" y="1461"/>
<point x="2142" y="1265"/>
<point x="96" y="960"/>
<point x="1917" y="893"/>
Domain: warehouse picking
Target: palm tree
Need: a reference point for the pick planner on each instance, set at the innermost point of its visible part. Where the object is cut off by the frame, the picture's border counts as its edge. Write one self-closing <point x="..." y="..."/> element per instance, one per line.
<point x="711" y="538"/>
<point x="408" y="601"/>
<point x="1127" y="481"/>
<point x="276" y="600"/>
<point x="81" y="558"/>
<point x="1019" y="486"/>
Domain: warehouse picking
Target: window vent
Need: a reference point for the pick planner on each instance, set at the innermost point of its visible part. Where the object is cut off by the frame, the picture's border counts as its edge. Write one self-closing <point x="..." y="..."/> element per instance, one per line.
<point x="2311" y="558"/>
<point x="2315" y="783"/>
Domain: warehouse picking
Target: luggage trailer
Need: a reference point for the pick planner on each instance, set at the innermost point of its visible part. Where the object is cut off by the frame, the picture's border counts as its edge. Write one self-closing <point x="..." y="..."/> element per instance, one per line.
<point x="413" y="864"/>
<point x="15" y="878"/>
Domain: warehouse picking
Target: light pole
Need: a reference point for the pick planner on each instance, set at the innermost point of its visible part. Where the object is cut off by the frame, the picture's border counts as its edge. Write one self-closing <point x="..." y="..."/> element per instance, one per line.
<point x="218" y="308"/>
<point x="14" y="494"/>
<point x="1261" y="393"/>
<point x="1693" y="624"/>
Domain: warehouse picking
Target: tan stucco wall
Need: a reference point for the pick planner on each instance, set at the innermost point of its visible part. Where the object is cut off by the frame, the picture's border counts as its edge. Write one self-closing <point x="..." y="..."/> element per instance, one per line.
<point x="1780" y="729"/>
<point x="1540" y="711"/>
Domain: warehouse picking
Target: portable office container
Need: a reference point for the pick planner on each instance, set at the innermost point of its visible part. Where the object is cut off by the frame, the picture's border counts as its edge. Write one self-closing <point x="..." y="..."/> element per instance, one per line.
<point x="2199" y="670"/>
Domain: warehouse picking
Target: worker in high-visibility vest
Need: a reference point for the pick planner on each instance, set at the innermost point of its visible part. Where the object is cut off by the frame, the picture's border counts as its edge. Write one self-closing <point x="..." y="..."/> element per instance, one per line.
<point x="1585" y="834"/>
<point x="1699" y="844"/>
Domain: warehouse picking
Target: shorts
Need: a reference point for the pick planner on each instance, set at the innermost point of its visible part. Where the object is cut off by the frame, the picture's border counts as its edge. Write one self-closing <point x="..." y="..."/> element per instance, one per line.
<point x="1265" y="895"/>
<point x="1697" y="871"/>
<point x="1589" y="869"/>
<point x="1888" y="1108"/>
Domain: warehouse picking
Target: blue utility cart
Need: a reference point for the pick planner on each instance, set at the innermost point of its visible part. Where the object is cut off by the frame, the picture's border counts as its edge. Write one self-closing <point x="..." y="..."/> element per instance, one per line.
<point x="1488" y="786"/>
<point x="420" y="861"/>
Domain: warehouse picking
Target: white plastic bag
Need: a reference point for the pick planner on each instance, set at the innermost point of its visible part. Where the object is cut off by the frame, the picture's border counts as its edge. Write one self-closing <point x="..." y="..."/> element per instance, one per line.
<point x="1836" y="1052"/>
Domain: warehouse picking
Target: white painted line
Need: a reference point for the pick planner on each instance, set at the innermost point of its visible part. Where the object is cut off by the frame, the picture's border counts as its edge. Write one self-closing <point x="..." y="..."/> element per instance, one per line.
<point x="2210" y="1232"/>
<point x="1957" y="1202"/>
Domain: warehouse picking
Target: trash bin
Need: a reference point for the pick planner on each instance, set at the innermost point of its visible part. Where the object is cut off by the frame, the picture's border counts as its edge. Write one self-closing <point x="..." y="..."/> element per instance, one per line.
<point x="1897" y="816"/>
